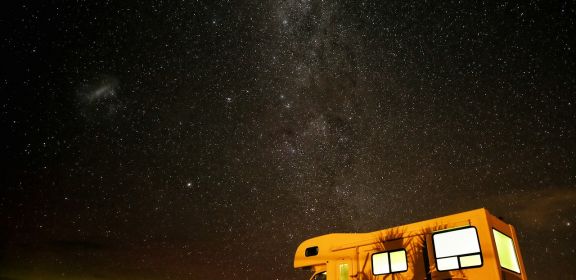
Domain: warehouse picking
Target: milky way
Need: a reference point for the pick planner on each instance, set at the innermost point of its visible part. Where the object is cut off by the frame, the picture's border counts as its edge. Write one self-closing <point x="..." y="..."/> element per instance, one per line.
<point x="206" y="139"/>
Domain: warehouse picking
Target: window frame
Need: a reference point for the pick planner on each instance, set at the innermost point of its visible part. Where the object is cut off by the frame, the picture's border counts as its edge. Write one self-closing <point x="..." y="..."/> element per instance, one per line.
<point x="515" y="254"/>
<point x="389" y="261"/>
<point x="458" y="256"/>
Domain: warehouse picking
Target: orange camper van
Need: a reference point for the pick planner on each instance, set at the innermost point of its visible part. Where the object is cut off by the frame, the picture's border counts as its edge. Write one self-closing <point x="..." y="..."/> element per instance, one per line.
<point x="469" y="245"/>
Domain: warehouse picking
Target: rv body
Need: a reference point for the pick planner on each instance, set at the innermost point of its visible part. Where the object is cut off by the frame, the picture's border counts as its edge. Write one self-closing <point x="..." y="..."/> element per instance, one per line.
<point x="468" y="245"/>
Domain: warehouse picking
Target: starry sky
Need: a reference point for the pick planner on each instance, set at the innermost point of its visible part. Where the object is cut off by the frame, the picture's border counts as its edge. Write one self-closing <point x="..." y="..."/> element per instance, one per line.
<point x="203" y="139"/>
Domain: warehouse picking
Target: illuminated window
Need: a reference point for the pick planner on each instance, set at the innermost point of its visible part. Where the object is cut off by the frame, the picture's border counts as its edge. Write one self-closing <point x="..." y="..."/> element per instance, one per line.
<point x="506" y="251"/>
<point x="344" y="271"/>
<point x="389" y="262"/>
<point x="457" y="248"/>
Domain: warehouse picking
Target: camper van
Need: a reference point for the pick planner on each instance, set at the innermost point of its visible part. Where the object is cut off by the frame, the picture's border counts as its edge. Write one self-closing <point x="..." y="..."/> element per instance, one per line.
<point x="469" y="245"/>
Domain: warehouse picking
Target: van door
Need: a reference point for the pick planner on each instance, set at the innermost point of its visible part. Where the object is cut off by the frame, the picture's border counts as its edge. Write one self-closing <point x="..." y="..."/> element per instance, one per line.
<point x="340" y="270"/>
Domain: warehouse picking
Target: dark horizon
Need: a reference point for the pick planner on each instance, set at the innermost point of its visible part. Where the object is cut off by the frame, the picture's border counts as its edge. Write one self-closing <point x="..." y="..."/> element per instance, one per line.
<point x="207" y="139"/>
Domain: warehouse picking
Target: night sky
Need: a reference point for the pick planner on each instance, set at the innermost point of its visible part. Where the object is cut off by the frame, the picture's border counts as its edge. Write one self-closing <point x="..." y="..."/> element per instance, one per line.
<point x="206" y="139"/>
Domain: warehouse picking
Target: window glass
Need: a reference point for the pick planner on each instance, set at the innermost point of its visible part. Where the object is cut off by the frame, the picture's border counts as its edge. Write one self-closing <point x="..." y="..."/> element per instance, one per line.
<point x="472" y="260"/>
<point x="344" y="271"/>
<point x="506" y="251"/>
<point x="457" y="248"/>
<point x="320" y="276"/>
<point x="311" y="251"/>
<point x="456" y="242"/>
<point x="389" y="262"/>
<point x="447" y="263"/>
<point x="398" y="261"/>
<point x="380" y="264"/>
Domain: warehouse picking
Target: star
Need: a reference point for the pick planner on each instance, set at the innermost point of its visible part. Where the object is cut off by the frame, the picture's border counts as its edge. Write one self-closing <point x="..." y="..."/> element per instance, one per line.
<point x="138" y="130"/>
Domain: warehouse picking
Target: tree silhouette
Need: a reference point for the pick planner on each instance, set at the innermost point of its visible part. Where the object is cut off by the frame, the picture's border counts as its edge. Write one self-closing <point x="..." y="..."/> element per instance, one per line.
<point x="416" y="246"/>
